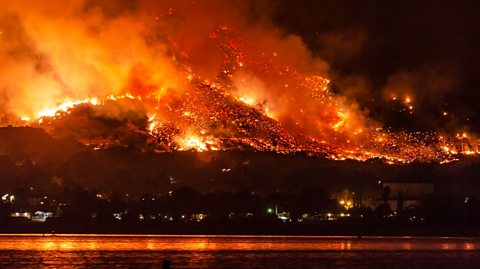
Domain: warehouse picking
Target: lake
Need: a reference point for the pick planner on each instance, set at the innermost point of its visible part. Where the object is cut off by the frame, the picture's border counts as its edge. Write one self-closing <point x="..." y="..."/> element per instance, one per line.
<point x="143" y="251"/>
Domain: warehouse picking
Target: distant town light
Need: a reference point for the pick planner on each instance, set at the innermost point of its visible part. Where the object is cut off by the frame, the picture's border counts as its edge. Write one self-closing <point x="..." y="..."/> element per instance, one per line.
<point x="8" y="197"/>
<point x="346" y="204"/>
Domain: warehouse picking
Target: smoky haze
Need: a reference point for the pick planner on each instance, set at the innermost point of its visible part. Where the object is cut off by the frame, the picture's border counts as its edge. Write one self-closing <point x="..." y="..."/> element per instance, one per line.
<point x="83" y="49"/>
<point x="379" y="49"/>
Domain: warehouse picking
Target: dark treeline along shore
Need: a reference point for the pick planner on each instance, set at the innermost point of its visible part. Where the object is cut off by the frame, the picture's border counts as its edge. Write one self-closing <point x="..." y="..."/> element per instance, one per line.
<point x="51" y="185"/>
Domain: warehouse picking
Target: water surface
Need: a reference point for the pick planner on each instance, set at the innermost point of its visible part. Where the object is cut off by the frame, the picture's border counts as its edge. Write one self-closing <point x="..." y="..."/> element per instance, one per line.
<point x="135" y="251"/>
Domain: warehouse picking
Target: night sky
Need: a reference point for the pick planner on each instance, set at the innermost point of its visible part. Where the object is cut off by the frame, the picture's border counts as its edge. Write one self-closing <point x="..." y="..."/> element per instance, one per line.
<point x="428" y="48"/>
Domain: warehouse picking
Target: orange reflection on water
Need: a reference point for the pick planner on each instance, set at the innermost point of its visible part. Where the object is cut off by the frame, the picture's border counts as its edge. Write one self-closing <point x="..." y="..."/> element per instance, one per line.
<point x="72" y="243"/>
<point x="49" y="246"/>
<point x="469" y="246"/>
<point x="340" y="246"/>
<point x="407" y="246"/>
<point x="56" y="244"/>
<point x="447" y="246"/>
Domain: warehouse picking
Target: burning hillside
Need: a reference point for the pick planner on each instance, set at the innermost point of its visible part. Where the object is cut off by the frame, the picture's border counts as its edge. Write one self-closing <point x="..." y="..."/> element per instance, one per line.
<point x="182" y="76"/>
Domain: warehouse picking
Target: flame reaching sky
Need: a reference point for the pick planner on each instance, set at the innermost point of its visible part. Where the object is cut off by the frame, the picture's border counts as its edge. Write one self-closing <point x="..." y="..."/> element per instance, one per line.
<point x="182" y="75"/>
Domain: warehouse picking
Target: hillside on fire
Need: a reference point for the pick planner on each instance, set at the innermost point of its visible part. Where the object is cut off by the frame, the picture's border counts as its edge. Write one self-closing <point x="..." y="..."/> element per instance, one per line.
<point x="32" y="158"/>
<point x="226" y="76"/>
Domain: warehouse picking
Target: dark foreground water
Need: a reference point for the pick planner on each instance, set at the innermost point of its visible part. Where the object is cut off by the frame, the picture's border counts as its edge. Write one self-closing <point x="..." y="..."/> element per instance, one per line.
<point x="120" y="251"/>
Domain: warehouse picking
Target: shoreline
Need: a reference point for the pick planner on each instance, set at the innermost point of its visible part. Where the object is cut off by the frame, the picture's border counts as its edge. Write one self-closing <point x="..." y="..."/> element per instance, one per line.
<point x="106" y="235"/>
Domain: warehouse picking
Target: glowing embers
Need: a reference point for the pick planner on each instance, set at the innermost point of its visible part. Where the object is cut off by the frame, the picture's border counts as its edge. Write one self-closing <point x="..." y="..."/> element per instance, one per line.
<point x="462" y="143"/>
<point x="256" y="102"/>
<point x="206" y="117"/>
<point x="405" y="103"/>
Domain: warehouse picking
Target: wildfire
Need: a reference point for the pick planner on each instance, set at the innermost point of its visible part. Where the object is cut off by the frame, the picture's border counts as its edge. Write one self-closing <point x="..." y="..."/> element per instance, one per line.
<point x="64" y="107"/>
<point x="210" y="105"/>
<point x="199" y="144"/>
<point x="211" y="88"/>
<point x="247" y="101"/>
<point x="67" y="105"/>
